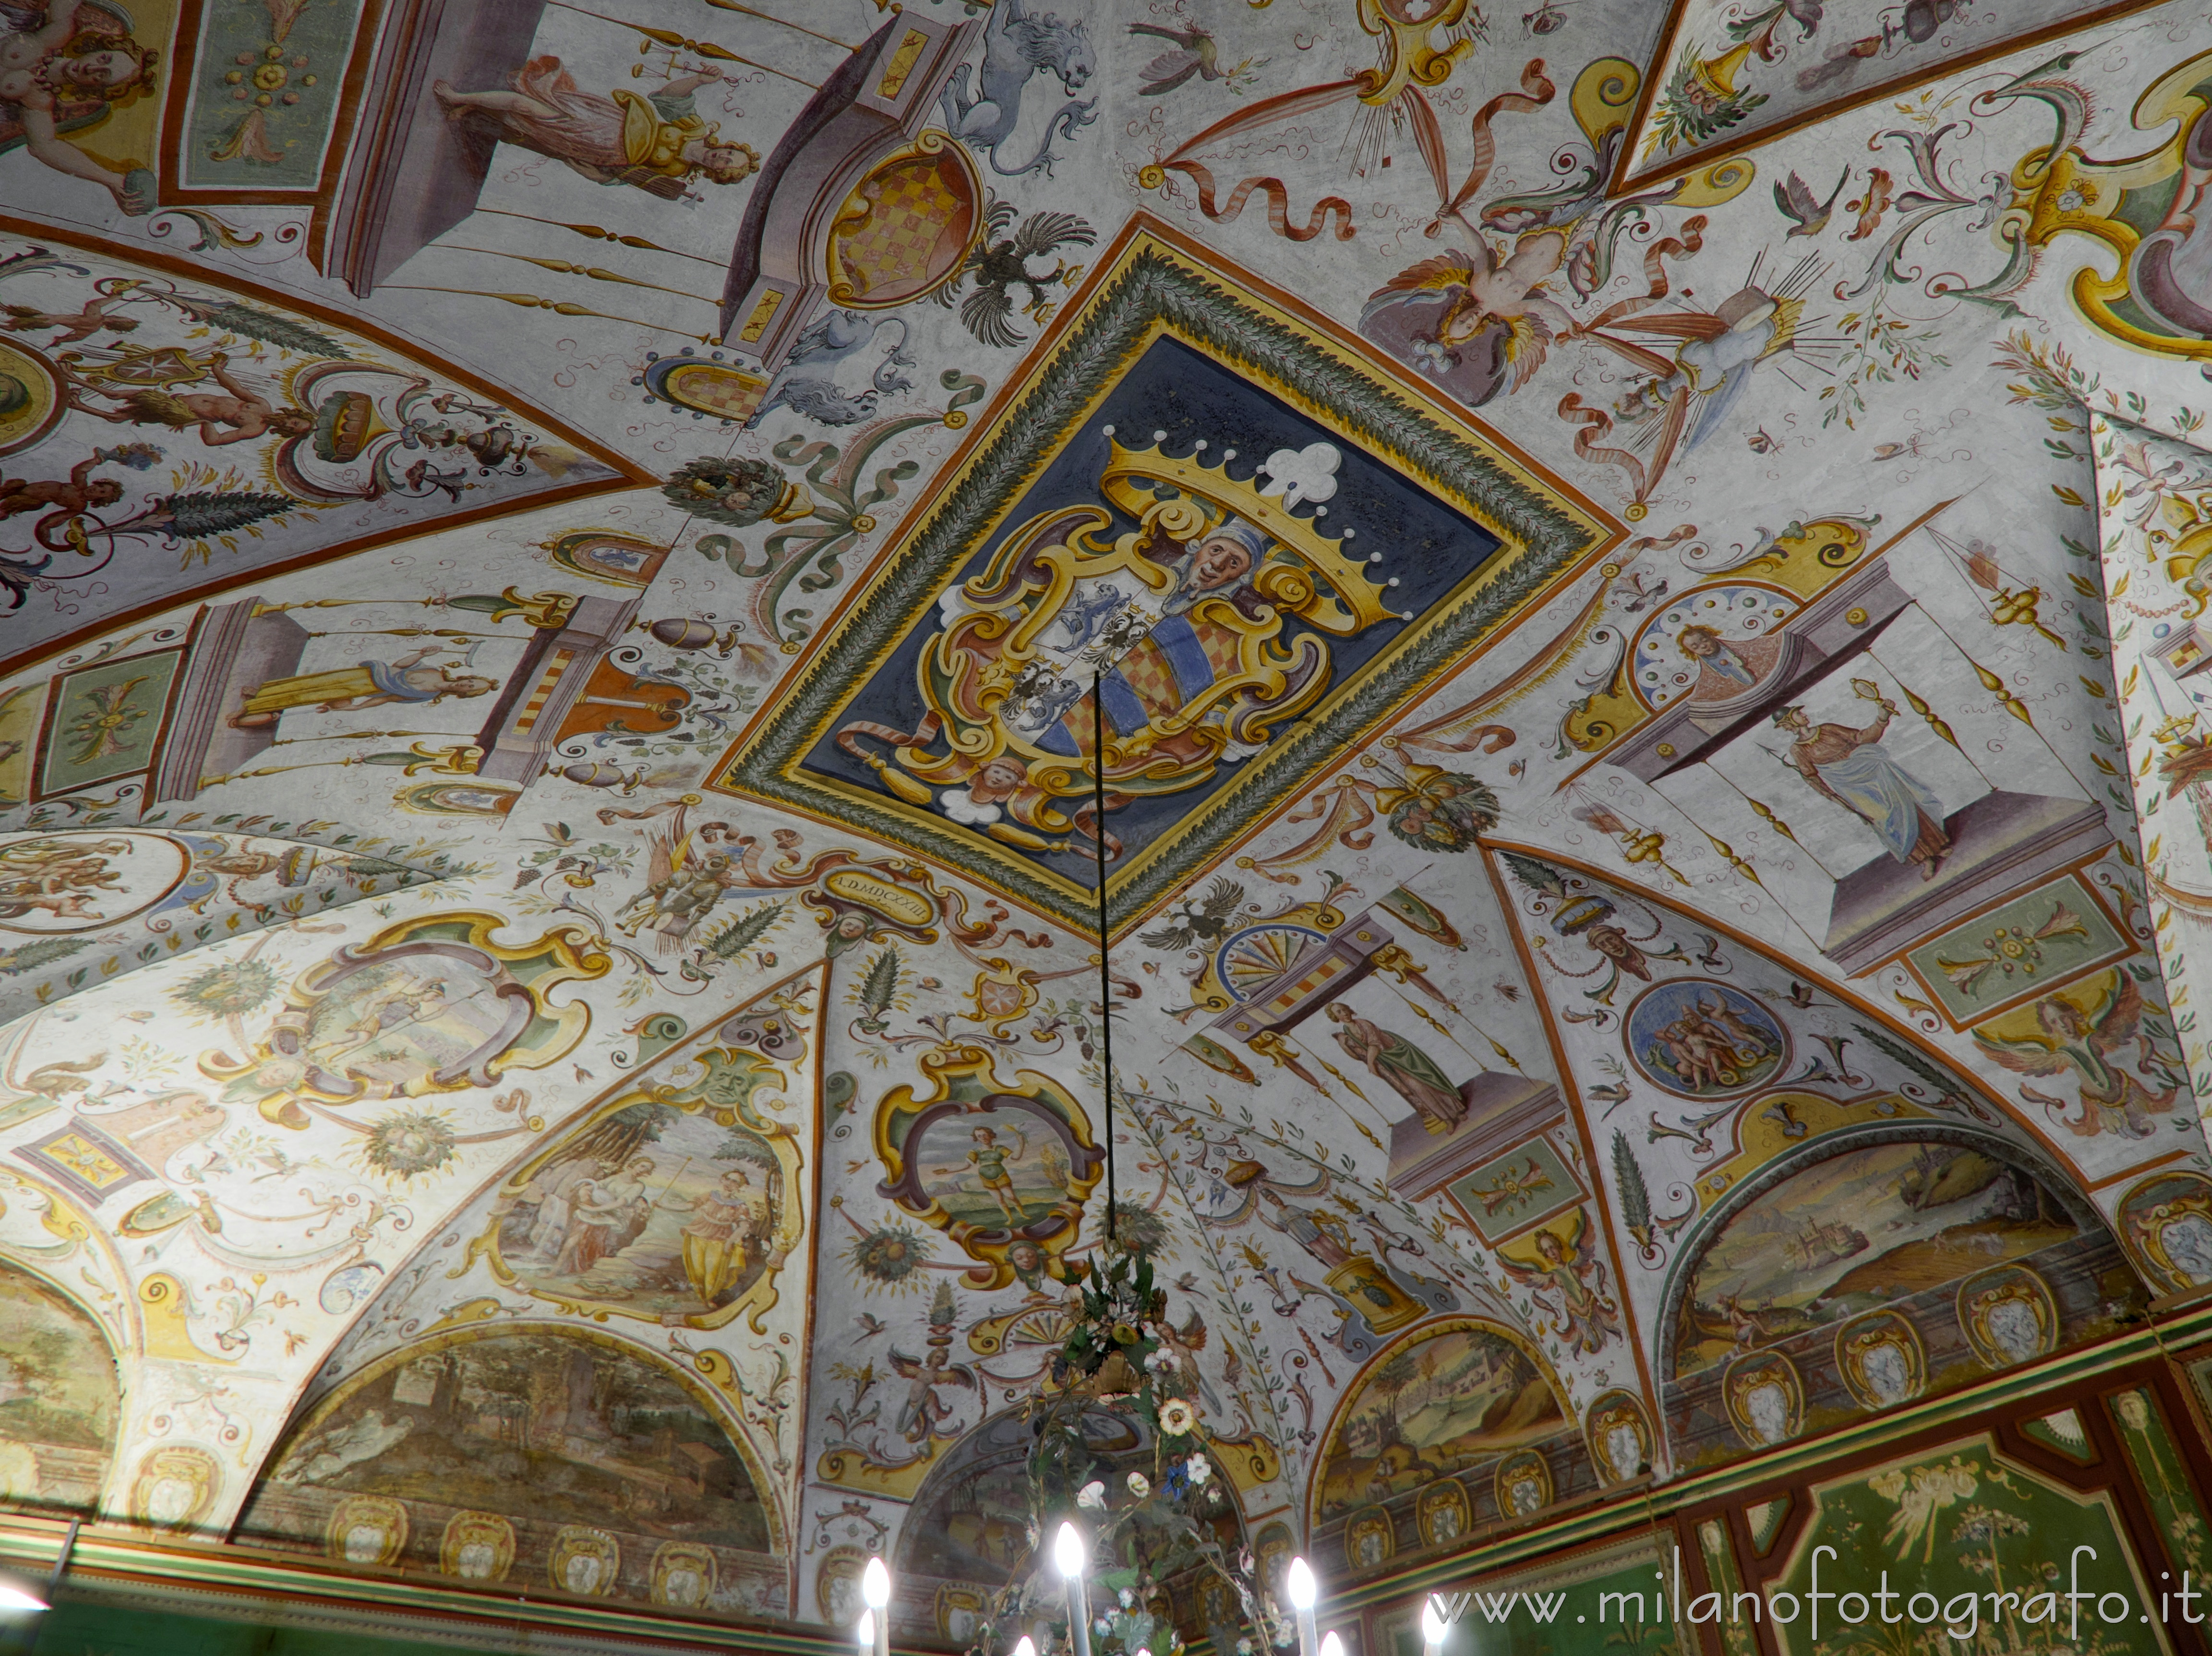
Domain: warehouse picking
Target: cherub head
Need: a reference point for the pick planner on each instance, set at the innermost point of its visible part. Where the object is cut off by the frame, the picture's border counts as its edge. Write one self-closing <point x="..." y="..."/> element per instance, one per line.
<point x="997" y="779"/>
<point x="852" y="926"/>
<point x="2061" y="1017"/>
<point x="103" y="491"/>
<point x="1550" y="1246"/>
<point x="1697" y="643"/>
<point x="468" y="683"/>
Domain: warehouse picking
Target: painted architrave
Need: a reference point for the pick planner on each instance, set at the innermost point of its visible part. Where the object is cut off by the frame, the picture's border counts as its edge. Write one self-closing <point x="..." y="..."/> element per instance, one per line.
<point x="1153" y="286"/>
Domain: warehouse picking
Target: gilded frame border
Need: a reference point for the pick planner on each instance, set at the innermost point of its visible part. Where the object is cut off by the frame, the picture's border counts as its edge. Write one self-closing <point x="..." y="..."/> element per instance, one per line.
<point x="1153" y="286"/>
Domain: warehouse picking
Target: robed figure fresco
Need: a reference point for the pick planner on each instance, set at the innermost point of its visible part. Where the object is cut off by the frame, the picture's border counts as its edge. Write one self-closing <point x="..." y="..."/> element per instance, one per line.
<point x="1410" y="1073"/>
<point x="653" y="142"/>
<point x="1848" y="765"/>
<point x="721" y="1232"/>
<point x="410" y="681"/>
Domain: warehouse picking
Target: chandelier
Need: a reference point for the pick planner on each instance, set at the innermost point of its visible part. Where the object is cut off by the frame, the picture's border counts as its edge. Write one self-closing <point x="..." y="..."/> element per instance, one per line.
<point x="1072" y="1561"/>
<point x="1122" y="1358"/>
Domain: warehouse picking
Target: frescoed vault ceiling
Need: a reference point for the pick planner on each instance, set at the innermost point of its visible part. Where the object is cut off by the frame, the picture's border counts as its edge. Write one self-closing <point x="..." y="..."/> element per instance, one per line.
<point x="599" y="606"/>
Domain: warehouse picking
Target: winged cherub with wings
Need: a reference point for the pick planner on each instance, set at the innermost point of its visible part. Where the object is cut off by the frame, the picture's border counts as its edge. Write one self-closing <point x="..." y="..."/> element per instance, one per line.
<point x="2087" y="1043"/>
<point x="1568" y="1283"/>
<point x="687" y="875"/>
<point x="1474" y="319"/>
<point x="922" y="1413"/>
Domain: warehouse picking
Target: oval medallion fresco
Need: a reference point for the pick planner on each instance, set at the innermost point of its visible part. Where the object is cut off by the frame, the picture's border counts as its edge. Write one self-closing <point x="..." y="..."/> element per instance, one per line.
<point x="56" y="883"/>
<point x="1703" y="1039"/>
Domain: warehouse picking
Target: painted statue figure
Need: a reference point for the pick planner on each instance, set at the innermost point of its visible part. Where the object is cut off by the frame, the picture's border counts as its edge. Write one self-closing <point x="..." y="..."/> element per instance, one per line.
<point x="1320" y="1233"/>
<point x="364" y="684"/>
<point x="657" y="142"/>
<point x="1403" y="1066"/>
<point x="1848" y="765"/>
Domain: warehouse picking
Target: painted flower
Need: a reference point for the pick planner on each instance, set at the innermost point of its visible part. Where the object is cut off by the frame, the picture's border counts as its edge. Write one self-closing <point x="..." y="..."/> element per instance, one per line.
<point x="229" y="990"/>
<point x="1124" y="1334"/>
<point x="888" y="1257"/>
<point x="1093" y="1495"/>
<point x="1200" y="1468"/>
<point x="1140" y="1485"/>
<point x="410" y="1144"/>
<point x="1177" y="1417"/>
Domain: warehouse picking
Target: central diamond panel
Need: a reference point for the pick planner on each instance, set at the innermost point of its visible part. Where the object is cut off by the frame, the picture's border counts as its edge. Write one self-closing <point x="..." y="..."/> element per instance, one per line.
<point x="1206" y="507"/>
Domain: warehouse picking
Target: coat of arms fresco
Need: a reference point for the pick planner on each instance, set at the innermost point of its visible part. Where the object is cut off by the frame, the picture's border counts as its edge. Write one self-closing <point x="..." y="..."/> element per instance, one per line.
<point x="1203" y="553"/>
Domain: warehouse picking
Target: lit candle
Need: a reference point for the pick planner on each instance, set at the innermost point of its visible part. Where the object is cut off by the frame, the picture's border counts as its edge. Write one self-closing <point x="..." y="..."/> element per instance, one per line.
<point x="1432" y="1627"/>
<point x="1299" y="1581"/>
<point x="1067" y="1555"/>
<point x="1331" y="1644"/>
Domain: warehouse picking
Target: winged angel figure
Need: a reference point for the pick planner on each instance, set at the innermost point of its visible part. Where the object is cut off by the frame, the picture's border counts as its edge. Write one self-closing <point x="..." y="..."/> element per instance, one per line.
<point x="1568" y="1282"/>
<point x="688" y="873"/>
<point x="1471" y="319"/>
<point x="2087" y="1044"/>
<point x="922" y="1416"/>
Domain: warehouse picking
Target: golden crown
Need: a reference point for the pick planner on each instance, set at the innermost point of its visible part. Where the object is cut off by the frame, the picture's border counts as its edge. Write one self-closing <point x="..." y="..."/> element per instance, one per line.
<point x="1140" y="480"/>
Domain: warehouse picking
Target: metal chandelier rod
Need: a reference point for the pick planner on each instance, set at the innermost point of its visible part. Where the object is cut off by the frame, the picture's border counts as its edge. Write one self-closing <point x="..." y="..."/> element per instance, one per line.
<point x="1105" y="973"/>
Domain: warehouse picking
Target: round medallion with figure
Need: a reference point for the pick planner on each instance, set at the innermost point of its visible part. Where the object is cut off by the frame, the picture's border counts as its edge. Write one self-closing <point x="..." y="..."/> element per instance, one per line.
<point x="57" y="883"/>
<point x="1703" y="1039"/>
